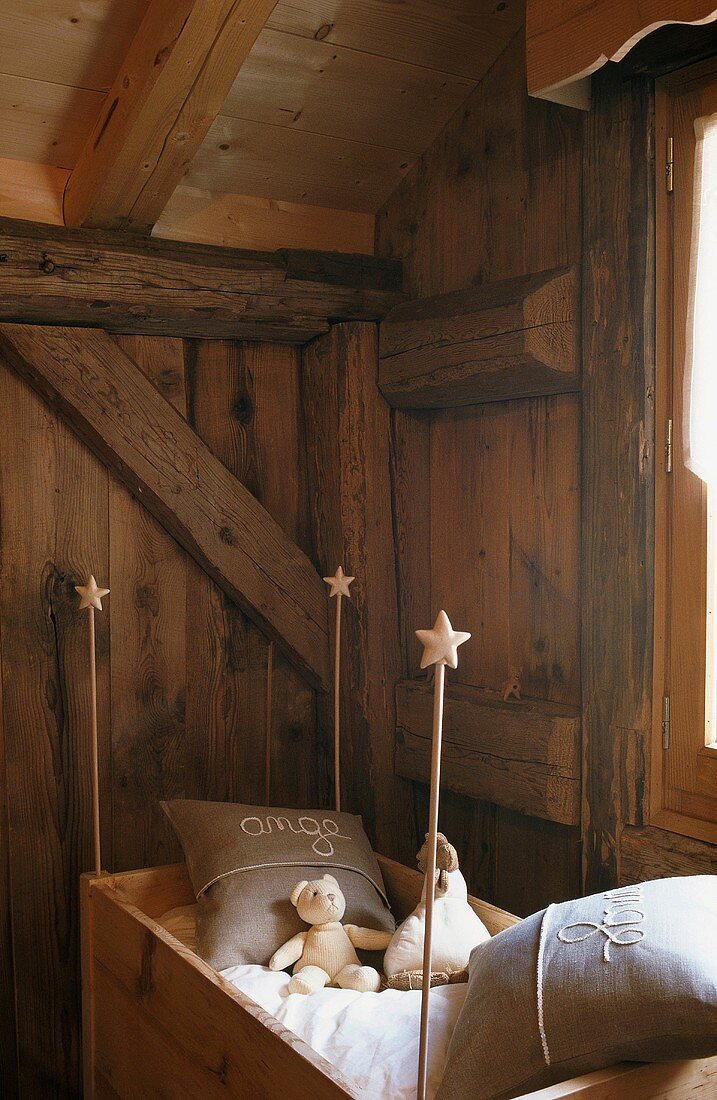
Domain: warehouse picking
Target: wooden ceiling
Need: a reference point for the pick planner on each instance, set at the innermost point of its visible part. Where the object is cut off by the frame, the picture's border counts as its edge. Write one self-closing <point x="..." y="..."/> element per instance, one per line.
<point x="334" y="102"/>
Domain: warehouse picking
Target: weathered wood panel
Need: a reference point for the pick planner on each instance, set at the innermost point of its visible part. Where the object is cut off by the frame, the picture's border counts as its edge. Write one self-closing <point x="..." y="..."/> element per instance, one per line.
<point x="8" y="1026"/>
<point x="55" y="530"/>
<point x="148" y="646"/>
<point x="618" y="452"/>
<point x="79" y="277"/>
<point x="348" y="436"/>
<point x="504" y="517"/>
<point x="63" y="516"/>
<point x="647" y="853"/>
<point x="496" y="197"/>
<point x="514" y="338"/>
<point x="101" y="392"/>
<point x="235" y="390"/>
<point x="523" y="755"/>
<point x="537" y="861"/>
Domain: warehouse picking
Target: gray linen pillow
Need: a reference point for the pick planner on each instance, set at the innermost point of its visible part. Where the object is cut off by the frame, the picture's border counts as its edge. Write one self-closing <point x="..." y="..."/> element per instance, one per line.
<point x="244" y="860"/>
<point x="628" y="975"/>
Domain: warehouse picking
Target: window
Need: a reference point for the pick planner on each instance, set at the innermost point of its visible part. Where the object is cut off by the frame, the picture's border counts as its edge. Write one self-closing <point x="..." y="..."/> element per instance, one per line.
<point x="683" y="794"/>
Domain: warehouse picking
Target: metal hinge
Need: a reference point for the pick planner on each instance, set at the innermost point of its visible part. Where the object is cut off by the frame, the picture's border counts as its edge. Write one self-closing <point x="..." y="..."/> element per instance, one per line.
<point x="668" y="446"/>
<point x="666" y="722"/>
<point x="669" y="165"/>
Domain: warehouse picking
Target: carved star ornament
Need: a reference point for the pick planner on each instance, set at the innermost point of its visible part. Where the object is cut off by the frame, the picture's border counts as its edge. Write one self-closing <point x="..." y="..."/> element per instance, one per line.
<point x="91" y="594"/>
<point x="440" y="645"/>
<point x="339" y="583"/>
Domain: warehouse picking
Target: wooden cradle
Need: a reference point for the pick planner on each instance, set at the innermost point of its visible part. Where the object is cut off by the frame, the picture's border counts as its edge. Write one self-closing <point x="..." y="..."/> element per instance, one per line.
<point x="159" y="1022"/>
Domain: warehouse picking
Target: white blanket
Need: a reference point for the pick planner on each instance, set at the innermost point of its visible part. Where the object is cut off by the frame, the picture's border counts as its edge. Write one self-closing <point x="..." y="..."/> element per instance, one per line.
<point x="371" y="1037"/>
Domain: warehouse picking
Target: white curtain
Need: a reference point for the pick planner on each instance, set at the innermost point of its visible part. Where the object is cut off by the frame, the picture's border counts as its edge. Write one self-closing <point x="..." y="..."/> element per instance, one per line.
<point x="700" y="429"/>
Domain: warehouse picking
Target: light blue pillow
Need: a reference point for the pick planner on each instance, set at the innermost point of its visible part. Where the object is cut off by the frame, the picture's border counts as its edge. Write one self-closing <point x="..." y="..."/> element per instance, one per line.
<point x="628" y="975"/>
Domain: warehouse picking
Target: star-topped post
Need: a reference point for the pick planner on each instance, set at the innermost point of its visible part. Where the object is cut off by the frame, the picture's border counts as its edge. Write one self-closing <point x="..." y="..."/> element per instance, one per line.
<point x="440" y="648"/>
<point x="339" y="587"/>
<point x="91" y="596"/>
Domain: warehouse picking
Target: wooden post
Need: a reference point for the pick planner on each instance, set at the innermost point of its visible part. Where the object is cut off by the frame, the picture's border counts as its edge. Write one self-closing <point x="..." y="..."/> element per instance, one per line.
<point x="440" y="649"/>
<point x="91" y="598"/>
<point x="339" y="588"/>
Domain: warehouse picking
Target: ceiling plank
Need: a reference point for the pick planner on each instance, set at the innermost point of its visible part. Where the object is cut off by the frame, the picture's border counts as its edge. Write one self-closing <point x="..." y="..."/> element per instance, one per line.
<point x="170" y="87"/>
<point x="80" y="45"/>
<point x="463" y="37"/>
<point x="247" y="221"/>
<point x="31" y="192"/>
<point x="279" y="163"/>
<point x="301" y="84"/>
<point x="123" y="283"/>
<point x="42" y="122"/>
<point x="122" y="417"/>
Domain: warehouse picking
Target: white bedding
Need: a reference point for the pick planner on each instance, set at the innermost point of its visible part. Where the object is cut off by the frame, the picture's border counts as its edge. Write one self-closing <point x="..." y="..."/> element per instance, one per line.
<point x="371" y="1037"/>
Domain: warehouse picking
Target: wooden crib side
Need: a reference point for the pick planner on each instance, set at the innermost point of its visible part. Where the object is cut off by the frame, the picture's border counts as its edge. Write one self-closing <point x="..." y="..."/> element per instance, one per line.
<point x="157" y="1021"/>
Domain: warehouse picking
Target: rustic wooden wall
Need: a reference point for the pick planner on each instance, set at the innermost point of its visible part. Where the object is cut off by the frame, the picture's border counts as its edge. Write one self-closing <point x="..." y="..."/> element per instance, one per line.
<point x="181" y="671"/>
<point x="487" y="497"/>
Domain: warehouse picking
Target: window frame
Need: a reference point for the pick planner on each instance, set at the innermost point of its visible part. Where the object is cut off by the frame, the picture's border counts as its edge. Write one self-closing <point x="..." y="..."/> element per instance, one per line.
<point x="673" y="806"/>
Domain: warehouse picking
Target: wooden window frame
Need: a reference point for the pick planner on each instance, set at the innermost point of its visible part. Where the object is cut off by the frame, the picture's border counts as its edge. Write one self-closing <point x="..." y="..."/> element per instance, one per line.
<point x="663" y="791"/>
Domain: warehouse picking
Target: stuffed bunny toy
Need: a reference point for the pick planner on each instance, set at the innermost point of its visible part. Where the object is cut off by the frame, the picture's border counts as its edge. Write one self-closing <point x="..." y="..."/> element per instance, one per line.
<point x="456" y="928"/>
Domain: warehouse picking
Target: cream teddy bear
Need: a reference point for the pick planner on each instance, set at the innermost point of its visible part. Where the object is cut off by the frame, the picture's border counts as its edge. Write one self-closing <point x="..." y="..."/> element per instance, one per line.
<point x="325" y="954"/>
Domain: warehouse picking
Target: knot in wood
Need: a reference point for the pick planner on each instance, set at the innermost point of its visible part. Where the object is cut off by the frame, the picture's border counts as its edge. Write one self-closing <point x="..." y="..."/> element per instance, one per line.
<point x="47" y="265"/>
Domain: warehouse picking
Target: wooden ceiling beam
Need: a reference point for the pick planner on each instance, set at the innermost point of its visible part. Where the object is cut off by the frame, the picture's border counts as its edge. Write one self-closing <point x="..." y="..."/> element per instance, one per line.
<point x="170" y="87"/>
<point x="124" y="284"/>
<point x="112" y="405"/>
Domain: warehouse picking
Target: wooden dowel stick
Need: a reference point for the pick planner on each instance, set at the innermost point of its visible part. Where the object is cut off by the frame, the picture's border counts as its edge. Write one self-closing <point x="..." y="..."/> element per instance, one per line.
<point x="337" y="708"/>
<point x="91" y="598"/>
<point x="269" y="720"/>
<point x="339" y="588"/>
<point x="430" y="885"/>
<point x="94" y="748"/>
<point x="440" y="648"/>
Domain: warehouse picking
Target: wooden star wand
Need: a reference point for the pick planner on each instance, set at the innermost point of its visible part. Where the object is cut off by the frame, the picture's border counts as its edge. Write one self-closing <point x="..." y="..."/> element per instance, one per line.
<point x="440" y="648"/>
<point x="339" y="588"/>
<point x="91" y="598"/>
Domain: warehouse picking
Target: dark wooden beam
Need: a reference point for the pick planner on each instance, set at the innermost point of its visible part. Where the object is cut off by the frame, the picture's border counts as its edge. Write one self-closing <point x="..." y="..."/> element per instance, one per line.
<point x="116" y="410"/>
<point x="171" y="85"/>
<point x="514" y="338"/>
<point x="522" y="755"/>
<point x="58" y="276"/>
<point x="618" y="455"/>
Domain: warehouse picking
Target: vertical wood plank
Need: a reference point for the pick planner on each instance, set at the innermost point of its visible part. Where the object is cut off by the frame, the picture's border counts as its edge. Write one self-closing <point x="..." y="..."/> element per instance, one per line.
<point x="148" y="580"/>
<point x="55" y="530"/>
<point x="543" y="474"/>
<point x="8" y="1028"/>
<point x="538" y="862"/>
<point x="244" y="403"/>
<point x="410" y="483"/>
<point x="347" y="432"/>
<point x="618" y="455"/>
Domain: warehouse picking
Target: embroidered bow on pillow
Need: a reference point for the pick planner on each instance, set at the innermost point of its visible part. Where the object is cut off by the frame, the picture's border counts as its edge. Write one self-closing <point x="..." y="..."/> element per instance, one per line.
<point x="628" y="975"/>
